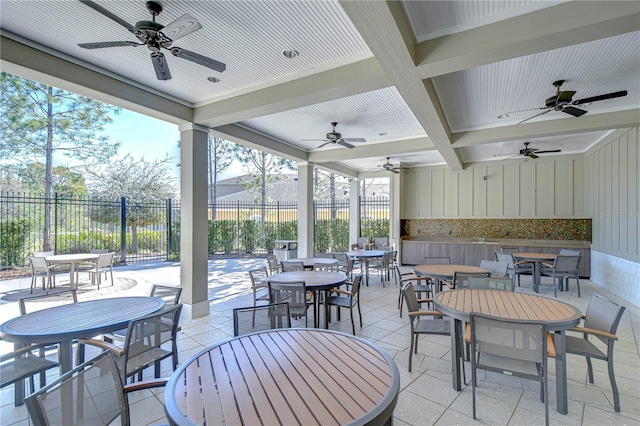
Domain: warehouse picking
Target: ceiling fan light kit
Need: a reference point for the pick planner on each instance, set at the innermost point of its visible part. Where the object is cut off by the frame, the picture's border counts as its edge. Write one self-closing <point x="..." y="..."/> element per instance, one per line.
<point x="563" y="101"/>
<point x="157" y="37"/>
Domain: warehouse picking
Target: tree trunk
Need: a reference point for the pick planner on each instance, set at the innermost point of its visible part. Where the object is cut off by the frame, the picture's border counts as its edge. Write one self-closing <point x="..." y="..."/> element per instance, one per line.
<point x="134" y="238"/>
<point x="48" y="173"/>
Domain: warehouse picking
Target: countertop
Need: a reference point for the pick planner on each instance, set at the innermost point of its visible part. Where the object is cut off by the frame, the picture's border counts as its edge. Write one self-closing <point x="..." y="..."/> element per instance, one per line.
<point x="503" y="242"/>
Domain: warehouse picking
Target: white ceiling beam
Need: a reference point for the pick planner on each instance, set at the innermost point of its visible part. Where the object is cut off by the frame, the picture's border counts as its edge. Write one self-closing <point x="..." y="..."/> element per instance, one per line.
<point x="246" y="137"/>
<point x="47" y="68"/>
<point x="561" y="126"/>
<point x="564" y="25"/>
<point x="386" y="149"/>
<point x="383" y="26"/>
<point x="358" y="77"/>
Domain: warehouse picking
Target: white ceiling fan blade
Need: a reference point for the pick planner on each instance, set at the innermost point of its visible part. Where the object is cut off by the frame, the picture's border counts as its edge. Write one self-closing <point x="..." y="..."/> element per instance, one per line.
<point x="343" y="143"/>
<point x="184" y="25"/>
<point x="324" y="144"/>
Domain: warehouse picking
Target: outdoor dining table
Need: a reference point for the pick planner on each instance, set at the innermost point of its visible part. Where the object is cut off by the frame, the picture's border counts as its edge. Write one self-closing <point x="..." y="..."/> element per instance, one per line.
<point x="559" y="316"/>
<point x="71" y="259"/>
<point x="64" y="323"/>
<point x="285" y="377"/>
<point x="366" y="256"/>
<point x="446" y="272"/>
<point x="316" y="281"/>
<point x="311" y="262"/>
<point x="536" y="259"/>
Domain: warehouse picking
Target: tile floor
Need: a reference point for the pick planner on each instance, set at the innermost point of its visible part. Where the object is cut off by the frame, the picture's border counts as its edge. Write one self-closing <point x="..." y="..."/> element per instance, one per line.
<point x="426" y="396"/>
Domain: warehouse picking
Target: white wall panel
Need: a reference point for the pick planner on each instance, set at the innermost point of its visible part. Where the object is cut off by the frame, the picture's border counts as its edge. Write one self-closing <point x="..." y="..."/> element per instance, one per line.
<point x="511" y="183"/>
<point x="451" y="193"/>
<point x="495" y="191"/>
<point x="437" y="192"/>
<point x="425" y="194"/>
<point x="527" y="189"/>
<point x="465" y="193"/>
<point x="563" y="172"/>
<point x="545" y="189"/>
<point x="479" y="191"/>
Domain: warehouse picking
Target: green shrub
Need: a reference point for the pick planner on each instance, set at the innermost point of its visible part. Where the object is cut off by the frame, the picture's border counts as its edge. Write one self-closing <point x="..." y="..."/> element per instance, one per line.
<point x="13" y="238"/>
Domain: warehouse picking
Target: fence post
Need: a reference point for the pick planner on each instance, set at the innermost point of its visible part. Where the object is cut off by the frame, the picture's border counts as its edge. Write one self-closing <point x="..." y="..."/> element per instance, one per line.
<point x="238" y="226"/>
<point x="169" y="230"/>
<point x="55" y="224"/>
<point x="123" y="230"/>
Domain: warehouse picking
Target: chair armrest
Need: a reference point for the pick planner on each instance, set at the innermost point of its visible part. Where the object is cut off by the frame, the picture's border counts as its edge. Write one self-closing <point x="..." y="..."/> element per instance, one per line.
<point x="547" y="265"/>
<point x="145" y="384"/>
<point x="20" y="351"/>
<point x="103" y="345"/>
<point x="448" y="284"/>
<point x="419" y="313"/>
<point x="339" y="290"/>
<point x="425" y="300"/>
<point x="551" y="347"/>
<point x="595" y="332"/>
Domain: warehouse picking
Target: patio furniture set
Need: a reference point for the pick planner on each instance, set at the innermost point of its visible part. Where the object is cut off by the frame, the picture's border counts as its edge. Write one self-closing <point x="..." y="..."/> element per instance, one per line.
<point x="507" y="332"/>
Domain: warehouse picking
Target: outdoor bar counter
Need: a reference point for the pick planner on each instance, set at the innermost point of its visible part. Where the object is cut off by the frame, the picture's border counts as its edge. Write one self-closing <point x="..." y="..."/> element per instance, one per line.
<point x="467" y="251"/>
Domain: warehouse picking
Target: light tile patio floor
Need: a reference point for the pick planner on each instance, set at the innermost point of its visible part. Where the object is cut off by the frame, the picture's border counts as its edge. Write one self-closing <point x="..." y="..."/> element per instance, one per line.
<point x="426" y="396"/>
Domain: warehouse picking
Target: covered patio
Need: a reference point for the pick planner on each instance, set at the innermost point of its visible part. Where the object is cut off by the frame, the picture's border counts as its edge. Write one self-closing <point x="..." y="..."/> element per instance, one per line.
<point x="426" y="396"/>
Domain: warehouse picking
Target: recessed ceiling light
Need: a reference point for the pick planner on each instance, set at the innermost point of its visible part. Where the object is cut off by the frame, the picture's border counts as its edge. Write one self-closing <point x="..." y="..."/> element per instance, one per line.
<point x="503" y="116"/>
<point x="213" y="79"/>
<point x="290" y="54"/>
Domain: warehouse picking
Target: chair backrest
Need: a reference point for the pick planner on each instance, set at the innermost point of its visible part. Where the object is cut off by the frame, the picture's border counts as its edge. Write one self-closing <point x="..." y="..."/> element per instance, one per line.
<point x="567" y="264"/>
<point x="259" y="277"/>
<point x="258" y="318"/>
<point x="272" y="260"/>
<point x="509" y="250"/>
<point x="326" y="267"/>
<point x="342" y="258"/>
<point x="461" y="280"/>
<point x="43" y="253"/>
<point x="363" y="242"/>
<point x="604" y="315"/>
<point x="567" y="252"/>
<point x="324" y="255"/>
<point x="50" y="404"/>
<point x="355" y="285"/>
<point x="504" y="257"/>
<point x="38" y="265"/>
<point x="148" y="333"/>
<point x="99" y="251"/>
<point x="491" y="283"/>
<point x="388" y="259"/>
<point x="381" y="242"/>
<point x="39" y="302"/>
<point x="170" y="295"/>
<point x="293" y="293"/>
<point x="292" y="266"/>
<point x="522" y="340"/>
<point x="431" y="260"/>
<point x="409" y="294"/>
<point x="105" y="260"/>
<point x="498" y="269"/>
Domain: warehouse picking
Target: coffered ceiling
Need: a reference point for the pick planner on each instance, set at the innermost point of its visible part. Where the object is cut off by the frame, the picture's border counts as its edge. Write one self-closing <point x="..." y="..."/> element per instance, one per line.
<point x="422" y="81"/>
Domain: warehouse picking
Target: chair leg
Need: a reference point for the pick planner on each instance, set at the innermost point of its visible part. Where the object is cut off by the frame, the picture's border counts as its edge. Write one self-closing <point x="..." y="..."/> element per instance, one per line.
<point x="353" y="324"/>
<point x="411" y="350"/>
<point x="614" y="386"/>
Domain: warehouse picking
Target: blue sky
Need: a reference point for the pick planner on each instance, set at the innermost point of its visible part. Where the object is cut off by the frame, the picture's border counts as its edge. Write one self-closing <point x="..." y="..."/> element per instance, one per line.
<point x="151" y="139"/>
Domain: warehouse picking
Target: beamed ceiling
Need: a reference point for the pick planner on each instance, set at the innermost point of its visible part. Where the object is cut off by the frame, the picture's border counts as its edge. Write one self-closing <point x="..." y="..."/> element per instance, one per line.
<point x="421" y="81"/>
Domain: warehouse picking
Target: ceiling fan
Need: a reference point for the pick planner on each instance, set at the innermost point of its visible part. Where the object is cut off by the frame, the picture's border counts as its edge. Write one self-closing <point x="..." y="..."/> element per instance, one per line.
<point x="156" y="37"/>
<point x="336" y="138"/>
<point x="528" y="152"/>
<point x="391" y="168"/>
<point x="562" y="101"/>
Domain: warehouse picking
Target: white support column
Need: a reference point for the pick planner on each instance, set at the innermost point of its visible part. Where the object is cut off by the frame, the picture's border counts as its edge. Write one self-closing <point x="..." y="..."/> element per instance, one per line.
<point x="193" y="220"/>
<point x="305" y="209"/>
<point x="354" y="211"/>
<point x="395" y="231"/>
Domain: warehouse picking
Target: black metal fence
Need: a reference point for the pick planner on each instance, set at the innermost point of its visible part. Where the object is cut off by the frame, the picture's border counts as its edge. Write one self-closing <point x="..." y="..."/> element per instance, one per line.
<point x="150" y="229"/>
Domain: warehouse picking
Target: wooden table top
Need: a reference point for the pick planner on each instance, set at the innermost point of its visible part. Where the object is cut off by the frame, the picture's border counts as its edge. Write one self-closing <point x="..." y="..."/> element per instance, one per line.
<point x="310" y="261"/>
<point x="312" y="279"/>
<point x="446" y="271"/>
<point x="285" y="377"/>
<point x="68" y="258"/>
<point x="366" y="253"/>
<point x="78" y="320"/>
<point x="507" y="304"/>
<point x="534" y="256"/>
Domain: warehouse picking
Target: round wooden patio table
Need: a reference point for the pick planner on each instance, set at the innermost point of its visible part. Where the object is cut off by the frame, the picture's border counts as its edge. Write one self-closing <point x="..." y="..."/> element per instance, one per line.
<point x="366" y="256"/>
<point x="65" y="323"/>
<point x="559" y="316"/>
<point x="71" y="259"/>
<point x="285" y="377"/>
<point x="315" y="281"/>
<point x="536" y="259"/>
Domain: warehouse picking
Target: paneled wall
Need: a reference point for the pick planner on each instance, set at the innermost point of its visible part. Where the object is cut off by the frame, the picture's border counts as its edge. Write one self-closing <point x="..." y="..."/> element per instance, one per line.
<point x="612" y="200"/>
<point x="542" y="188"/>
